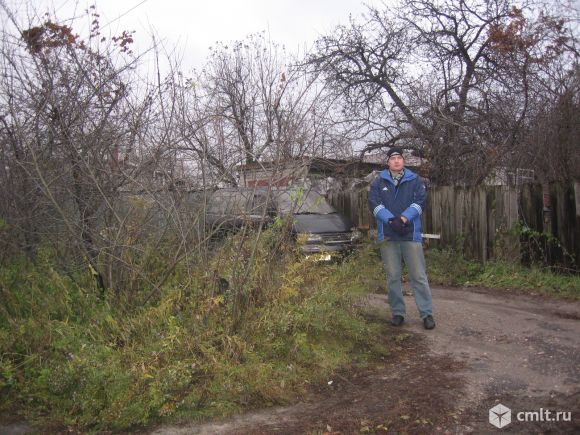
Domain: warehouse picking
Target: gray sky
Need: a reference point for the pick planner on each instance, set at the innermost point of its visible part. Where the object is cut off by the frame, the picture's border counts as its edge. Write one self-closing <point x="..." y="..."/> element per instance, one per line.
<point x="194" y="25"/>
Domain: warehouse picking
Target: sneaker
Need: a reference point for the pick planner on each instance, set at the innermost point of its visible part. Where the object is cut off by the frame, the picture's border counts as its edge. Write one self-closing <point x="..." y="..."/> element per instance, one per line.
<point x="397" y="320"/>
<point x="428" y="322"/>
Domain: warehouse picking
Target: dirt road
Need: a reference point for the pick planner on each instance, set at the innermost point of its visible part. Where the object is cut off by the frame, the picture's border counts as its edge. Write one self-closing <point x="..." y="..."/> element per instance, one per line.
<point x="489" y="348"/>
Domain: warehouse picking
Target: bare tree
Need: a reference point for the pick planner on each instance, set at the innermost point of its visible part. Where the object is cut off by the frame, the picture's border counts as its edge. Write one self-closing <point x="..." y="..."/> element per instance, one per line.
<point x="550" y="143"/>
<point x="97" y="160"/>
<point x="69" y="121"/>
<point x="450" y="79"/>
<point x="250" y="104"/>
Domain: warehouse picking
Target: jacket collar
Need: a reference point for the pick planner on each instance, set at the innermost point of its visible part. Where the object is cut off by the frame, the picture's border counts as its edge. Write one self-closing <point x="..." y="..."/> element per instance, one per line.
<point x="409" y="175"/>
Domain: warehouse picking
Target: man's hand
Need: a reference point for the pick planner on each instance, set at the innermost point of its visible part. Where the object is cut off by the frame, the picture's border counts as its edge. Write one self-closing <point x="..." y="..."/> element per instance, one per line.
<point x="400" y="225"/>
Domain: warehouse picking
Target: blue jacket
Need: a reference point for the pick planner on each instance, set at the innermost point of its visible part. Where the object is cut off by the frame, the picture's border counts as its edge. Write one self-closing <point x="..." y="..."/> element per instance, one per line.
<point x="387" y="201"/>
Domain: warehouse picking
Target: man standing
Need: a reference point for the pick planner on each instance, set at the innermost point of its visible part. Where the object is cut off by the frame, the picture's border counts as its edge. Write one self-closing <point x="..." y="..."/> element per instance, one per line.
<point x="397" y="198"/>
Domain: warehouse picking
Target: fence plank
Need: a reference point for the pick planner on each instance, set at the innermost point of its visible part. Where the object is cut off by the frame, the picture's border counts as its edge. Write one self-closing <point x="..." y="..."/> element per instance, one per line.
<point x="478" y="220"/>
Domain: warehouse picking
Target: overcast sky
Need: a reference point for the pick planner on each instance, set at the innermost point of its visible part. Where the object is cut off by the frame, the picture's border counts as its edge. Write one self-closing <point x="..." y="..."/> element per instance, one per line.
<point x="194" y="25"/>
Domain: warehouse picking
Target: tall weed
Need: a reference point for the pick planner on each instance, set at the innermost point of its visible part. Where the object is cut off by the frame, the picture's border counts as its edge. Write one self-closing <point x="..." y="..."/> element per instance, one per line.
<point x="256" y="325"/>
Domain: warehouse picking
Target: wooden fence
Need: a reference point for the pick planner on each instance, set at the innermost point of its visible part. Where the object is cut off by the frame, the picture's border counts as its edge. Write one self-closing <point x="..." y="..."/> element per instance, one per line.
<point x="491" y="222"/>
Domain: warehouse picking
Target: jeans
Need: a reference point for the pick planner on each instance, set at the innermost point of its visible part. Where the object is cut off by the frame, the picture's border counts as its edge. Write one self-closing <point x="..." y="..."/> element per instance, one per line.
<point x="392" y="252"/>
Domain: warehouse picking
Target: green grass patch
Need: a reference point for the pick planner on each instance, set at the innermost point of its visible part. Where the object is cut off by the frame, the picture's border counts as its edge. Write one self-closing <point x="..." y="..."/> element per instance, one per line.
<point x="447" y="267"/>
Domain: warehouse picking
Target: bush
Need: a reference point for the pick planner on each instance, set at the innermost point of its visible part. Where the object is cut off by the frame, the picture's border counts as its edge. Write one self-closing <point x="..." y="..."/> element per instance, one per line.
<point x="202" y="348"/>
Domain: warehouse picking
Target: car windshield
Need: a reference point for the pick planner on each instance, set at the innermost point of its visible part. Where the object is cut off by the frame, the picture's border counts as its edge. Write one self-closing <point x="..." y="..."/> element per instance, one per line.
<point x="302" y="202"/>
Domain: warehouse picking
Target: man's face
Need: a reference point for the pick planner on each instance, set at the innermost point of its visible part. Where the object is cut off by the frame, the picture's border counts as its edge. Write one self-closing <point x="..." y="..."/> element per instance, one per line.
<point x="396" y="163"/>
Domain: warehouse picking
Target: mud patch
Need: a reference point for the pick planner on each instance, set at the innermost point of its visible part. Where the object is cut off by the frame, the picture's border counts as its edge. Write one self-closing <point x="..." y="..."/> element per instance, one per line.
<point x="551" y="357"/>
<point x="565" y="315"/>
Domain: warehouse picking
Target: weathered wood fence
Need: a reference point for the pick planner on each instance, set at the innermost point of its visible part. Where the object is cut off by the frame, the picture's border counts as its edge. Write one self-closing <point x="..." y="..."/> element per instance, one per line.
<point x="490" y="222"/>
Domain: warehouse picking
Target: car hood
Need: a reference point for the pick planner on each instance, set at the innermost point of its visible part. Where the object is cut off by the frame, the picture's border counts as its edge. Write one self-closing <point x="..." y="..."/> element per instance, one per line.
<point x="321" y="223"/>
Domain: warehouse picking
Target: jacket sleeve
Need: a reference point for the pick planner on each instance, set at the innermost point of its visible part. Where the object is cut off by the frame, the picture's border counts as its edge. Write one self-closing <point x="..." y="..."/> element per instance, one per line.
<point x="375" y="204"/>
<point x="415" y="210"/>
